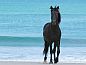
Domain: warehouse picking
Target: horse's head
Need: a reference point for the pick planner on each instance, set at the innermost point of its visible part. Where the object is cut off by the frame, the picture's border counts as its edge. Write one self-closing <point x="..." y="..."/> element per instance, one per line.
<point x="54" y="15"/>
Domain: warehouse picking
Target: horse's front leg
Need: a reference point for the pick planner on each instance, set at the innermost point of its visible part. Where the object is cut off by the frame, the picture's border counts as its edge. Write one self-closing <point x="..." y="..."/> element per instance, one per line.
<point x="54" y="51"/>
<point x="46" y="45"/>
<point x="58" y="52"/>
<point x="51" y="54"/>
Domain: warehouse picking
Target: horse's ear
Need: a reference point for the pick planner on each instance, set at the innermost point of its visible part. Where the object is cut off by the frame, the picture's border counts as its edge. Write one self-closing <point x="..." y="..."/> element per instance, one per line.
<point x="57" y="7"/>
<point x="51" y="7"/>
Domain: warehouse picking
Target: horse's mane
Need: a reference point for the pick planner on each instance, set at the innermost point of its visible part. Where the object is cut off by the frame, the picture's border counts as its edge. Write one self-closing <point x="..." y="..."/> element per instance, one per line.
<point x="59" y="17"/>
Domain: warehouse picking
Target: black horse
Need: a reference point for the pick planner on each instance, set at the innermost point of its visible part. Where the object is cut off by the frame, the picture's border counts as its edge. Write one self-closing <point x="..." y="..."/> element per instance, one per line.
<point x="52" y="34"/>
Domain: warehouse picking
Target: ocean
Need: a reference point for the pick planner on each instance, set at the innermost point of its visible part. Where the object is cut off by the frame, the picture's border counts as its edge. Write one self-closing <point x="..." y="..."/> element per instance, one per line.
<point x="21" y="28"/>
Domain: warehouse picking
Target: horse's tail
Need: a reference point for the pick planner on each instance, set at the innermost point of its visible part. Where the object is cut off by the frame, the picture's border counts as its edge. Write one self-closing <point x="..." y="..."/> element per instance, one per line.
<point x="46" y="45"/>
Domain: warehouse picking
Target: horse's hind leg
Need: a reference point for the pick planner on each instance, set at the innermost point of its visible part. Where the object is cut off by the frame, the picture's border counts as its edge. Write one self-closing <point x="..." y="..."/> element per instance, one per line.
<point x="58" y="51"/>
<point x="51" y="54"/>
<point x="46" y="45"/>
<point x="54" y="50"/>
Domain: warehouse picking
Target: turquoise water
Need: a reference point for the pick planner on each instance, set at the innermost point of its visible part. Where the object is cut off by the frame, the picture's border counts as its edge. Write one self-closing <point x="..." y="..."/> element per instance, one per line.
<point x="35" y="6"/>
<point x="38" y="42"/>
<point x="31" y="25"/>
<point x="22" y="29"/>
<point x="21" y="24"/>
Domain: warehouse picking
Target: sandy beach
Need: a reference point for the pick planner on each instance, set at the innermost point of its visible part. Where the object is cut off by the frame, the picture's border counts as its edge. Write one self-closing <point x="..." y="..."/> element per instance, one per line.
<point x="35" y="63"/>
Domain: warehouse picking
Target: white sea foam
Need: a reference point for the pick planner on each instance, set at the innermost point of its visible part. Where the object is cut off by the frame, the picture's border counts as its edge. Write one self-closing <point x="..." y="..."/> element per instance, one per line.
<point x="68" y="54"/>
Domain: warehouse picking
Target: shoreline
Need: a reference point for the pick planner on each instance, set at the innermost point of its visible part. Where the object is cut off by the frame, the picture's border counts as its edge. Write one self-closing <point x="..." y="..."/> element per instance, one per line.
<point x="36" y="63"/>
<point x="33" y="61"/>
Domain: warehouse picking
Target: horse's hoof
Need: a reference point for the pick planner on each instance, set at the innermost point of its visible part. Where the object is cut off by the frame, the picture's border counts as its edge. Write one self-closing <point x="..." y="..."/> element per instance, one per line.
<point x="56" y="60"/>
<point x="50" y="62"/>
